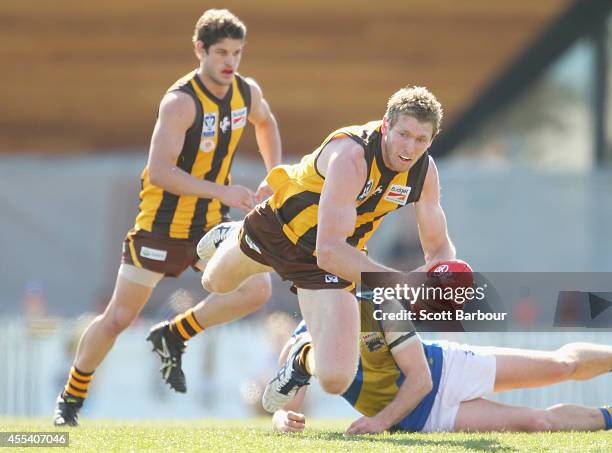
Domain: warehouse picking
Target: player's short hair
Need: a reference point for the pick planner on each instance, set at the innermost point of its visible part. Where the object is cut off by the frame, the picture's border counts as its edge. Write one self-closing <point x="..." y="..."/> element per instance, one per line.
<point x="218" y="24"/>
<point x="417" y="102"/>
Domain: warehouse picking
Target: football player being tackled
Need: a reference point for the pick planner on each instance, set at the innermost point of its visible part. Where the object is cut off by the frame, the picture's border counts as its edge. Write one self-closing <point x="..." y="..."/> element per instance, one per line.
<point x="408" y="384"/>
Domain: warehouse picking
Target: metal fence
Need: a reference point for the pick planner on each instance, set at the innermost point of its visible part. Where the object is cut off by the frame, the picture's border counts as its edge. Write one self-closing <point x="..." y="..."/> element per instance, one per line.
<point x="225" y="369"/>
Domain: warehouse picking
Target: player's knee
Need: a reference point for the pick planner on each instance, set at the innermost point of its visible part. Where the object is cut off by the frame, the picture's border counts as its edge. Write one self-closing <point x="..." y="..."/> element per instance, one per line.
<point x="118" y="319"/>
<point x="212" y="278"/>
<point x="215" y="285"/>
<point x="335" y="383"/>
<point x="207" y="282"/>
<point x="563" y="368"/>
<point x="568" y="360"/>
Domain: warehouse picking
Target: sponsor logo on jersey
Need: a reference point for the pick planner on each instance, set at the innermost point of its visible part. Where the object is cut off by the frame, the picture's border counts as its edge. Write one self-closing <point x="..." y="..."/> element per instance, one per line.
<point x="366" y="190"/>
<point x="209" y="125"/>
<point x="379" y="189"/>
<point x="373" y="341"/>
<point x="239" y="118"/>
<point x="153" y="254"/>
<point x="398" y="194"/>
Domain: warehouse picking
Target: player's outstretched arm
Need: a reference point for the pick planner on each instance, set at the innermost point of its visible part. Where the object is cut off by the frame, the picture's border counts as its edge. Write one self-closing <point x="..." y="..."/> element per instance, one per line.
<point x="176" y="116"/>
<point x="431" y="220"/>
<point x="343" y="165"/>
<point x="266" y="134"/>
<point x="410" y="358"/>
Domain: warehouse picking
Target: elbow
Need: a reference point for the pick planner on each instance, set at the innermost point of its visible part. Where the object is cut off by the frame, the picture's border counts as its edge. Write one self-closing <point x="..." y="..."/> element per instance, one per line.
<point x="424" y="380"/>
<point x="156" y="176"/>
<point x="271" y="123"/>
<point x="325" y="256"/>
<point x="266" y="125"/>
<point x="427" y="383"/>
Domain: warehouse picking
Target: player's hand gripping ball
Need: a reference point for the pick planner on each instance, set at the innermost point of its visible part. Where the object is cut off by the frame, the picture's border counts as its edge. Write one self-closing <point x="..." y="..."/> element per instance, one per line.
<point x="450" y="285"/>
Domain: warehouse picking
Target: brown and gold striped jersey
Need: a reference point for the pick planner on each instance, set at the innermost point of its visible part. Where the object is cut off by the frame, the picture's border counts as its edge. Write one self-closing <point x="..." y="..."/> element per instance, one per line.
<point x="208" y="150"/>
<point x="297" y="189"/>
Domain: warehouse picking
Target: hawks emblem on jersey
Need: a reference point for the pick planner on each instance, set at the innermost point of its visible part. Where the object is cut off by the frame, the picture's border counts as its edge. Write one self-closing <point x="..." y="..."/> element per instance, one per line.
<point x="225" y="124"/>
<point x="366" y="190"/>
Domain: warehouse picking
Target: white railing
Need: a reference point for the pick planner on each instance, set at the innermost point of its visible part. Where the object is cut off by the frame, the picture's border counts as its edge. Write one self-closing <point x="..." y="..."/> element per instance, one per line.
<point x="221" y="366"/>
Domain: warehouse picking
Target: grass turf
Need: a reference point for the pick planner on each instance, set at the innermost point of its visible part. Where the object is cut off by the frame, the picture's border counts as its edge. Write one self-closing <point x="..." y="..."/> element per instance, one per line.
<point x="255" y="435"/>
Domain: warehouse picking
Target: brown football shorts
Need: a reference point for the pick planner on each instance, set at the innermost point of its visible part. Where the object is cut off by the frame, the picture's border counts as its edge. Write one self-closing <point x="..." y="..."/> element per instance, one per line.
<point x="262" y="239"/>
<point x="159" y="253"/>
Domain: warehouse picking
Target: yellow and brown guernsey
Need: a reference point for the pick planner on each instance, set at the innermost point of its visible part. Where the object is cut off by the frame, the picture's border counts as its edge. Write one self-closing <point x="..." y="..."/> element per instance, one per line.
<point x="208" y="150"/>
<point x="297" y="189"/>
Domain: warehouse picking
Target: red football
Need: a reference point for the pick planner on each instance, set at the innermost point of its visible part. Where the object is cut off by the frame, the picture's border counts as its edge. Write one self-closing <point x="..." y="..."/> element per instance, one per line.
<point x="455" y="273"/>
<point x="450" y="287"/>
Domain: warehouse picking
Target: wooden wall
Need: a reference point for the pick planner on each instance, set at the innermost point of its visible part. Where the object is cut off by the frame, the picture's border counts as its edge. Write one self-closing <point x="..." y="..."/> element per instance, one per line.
<point x="88" y="76"/>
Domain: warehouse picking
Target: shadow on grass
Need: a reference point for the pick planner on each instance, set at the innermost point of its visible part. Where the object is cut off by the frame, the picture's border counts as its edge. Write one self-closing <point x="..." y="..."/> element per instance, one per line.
<point x="477" y="443"/>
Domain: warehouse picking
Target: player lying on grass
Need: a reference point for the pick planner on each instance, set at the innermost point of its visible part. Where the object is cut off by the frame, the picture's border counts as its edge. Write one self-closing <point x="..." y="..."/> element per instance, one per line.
<point x="407" y="384"/>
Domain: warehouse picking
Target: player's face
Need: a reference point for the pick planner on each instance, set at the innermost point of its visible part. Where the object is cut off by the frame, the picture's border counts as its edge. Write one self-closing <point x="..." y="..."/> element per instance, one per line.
<point x="222" y="60"/>
<point x="405" y="142"/>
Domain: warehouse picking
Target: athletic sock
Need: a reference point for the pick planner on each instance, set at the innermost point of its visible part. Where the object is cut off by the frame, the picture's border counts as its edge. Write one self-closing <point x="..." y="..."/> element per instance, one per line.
<point x="78" y="383"/>
<point x="185" y="325"/>
<point x="300" y="362"/>
<point x="607" y="414"/>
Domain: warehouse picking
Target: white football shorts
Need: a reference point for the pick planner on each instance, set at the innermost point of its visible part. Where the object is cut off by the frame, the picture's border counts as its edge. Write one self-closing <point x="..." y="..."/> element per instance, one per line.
<point x="466" y="375"/>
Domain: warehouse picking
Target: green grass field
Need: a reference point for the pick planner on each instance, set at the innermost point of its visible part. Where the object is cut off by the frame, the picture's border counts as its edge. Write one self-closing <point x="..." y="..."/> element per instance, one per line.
<point x="322" y="435"/>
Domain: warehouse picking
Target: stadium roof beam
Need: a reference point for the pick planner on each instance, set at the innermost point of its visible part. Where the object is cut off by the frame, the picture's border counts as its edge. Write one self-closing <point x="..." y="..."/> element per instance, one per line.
<point x="584" y="18"/>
